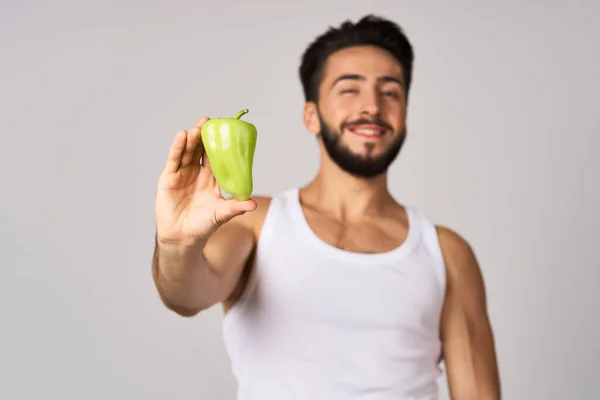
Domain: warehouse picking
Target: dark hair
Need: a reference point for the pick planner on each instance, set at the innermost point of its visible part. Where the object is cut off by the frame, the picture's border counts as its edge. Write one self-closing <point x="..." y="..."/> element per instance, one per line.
<point x="369" y="30"/>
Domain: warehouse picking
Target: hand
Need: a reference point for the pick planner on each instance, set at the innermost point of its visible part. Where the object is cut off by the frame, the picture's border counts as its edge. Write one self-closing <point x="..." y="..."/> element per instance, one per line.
<point x="189" y="206"/>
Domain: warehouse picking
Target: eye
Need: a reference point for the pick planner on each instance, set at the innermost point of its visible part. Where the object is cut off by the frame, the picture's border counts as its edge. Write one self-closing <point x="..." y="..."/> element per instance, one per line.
<point x="345" y="91"/>
<point x="391" y="93"/>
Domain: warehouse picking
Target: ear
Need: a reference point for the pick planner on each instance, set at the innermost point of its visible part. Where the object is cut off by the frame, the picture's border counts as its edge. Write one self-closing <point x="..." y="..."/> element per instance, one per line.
<point x="311" y="118"/>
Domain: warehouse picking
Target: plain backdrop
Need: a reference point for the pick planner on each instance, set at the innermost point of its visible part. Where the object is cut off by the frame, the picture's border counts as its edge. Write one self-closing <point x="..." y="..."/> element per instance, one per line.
<point x="503" y="139"/>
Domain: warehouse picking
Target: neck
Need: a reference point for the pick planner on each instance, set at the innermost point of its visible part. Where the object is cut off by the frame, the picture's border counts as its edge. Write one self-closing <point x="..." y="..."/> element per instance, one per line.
<point x="344" y="196"/>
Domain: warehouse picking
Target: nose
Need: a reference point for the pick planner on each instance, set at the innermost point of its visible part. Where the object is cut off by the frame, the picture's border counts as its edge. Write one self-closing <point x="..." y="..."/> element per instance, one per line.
<point x="371" y="103"/>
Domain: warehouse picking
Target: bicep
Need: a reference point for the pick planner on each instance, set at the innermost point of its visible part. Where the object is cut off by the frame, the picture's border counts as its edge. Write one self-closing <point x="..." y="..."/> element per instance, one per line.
<point x="466" y="331"/>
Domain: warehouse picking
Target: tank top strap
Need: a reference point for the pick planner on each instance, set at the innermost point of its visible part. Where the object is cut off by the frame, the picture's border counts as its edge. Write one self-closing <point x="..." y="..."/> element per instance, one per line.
<point x="430" y="241"/>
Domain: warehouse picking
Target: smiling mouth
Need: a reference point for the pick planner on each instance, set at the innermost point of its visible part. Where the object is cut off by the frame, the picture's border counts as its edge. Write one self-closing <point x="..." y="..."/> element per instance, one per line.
<point x="367" y="131"/>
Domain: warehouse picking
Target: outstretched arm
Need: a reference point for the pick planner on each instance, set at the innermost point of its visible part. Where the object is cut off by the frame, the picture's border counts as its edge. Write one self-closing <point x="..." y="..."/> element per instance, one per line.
<point x="466" y="331"/>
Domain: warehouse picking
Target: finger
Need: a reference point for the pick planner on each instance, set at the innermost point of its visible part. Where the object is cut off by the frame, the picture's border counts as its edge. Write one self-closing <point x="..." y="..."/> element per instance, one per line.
<point x="198" y="153"/>
<point x="176" y="152"/>
<point x="206" y="177"/>
<point x="205" y="161"/>
<point x="193" y="138"/>
<point x="199" y="150"/>
<point x="201" y="122"/>
<point x="217" y="188"/>
<point x="193" y="141"/>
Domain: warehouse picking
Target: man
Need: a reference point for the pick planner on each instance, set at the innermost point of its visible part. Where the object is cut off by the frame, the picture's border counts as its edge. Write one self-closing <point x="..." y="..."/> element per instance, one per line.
<point x="333" y="290"/>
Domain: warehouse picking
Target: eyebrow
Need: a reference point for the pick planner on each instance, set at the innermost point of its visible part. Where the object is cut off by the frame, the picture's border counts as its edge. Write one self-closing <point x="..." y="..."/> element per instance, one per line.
<point x="356" y="77"/>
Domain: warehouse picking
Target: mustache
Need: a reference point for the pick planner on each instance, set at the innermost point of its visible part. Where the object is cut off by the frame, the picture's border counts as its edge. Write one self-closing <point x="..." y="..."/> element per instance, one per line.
<point x="363" y="121"/>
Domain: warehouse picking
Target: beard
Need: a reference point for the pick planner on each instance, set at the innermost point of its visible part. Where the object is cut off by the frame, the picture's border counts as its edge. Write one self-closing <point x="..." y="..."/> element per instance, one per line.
<point x="360" y="166"/>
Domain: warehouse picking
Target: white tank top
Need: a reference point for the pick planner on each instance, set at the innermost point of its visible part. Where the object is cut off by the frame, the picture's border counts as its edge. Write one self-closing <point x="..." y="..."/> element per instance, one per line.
<point x="320" y="323"/>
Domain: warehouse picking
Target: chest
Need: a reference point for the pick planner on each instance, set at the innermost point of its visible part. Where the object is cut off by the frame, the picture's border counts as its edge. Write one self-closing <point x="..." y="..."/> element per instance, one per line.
<point x="370" y="236"/>
<point x="300" y="283"/>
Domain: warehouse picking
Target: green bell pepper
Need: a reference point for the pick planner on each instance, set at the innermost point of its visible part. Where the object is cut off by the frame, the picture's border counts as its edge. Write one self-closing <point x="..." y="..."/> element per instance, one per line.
<point x="230" y="144"/>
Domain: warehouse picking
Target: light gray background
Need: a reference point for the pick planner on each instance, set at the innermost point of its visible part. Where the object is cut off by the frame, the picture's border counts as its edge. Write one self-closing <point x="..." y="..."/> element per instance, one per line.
<point x="504" y="136"/>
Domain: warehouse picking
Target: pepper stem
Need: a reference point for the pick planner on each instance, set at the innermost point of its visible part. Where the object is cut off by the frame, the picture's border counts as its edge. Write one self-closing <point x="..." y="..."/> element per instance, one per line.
<point x="239" y="114"/>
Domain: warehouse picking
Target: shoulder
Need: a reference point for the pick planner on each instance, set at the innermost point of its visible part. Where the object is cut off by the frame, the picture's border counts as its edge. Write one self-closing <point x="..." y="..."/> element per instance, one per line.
<point x="465" y="285"/>
<point x="454" y="245"/>
<point x="459" y="256"/>
<point x="466" y="299"/>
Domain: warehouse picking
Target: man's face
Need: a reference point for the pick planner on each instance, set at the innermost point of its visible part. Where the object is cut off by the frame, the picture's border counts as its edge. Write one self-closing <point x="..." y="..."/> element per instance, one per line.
<point x="362" y="110"/>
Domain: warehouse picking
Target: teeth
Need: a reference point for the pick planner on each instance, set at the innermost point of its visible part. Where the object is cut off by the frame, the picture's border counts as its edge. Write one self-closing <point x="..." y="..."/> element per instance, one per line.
<point x="368" y="132"/>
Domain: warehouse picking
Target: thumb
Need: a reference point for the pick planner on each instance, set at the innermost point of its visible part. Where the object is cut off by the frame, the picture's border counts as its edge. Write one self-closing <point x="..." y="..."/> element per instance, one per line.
<point x="232" y="207"/>
<point x="238" y="206"/>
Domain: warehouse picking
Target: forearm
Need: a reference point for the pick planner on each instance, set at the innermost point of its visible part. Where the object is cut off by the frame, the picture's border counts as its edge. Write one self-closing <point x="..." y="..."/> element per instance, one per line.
<point x="485" y="364"/>
<point x="190" y="279"/>
<point x="185" y="281"/>
<point x="471" y="363"/>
